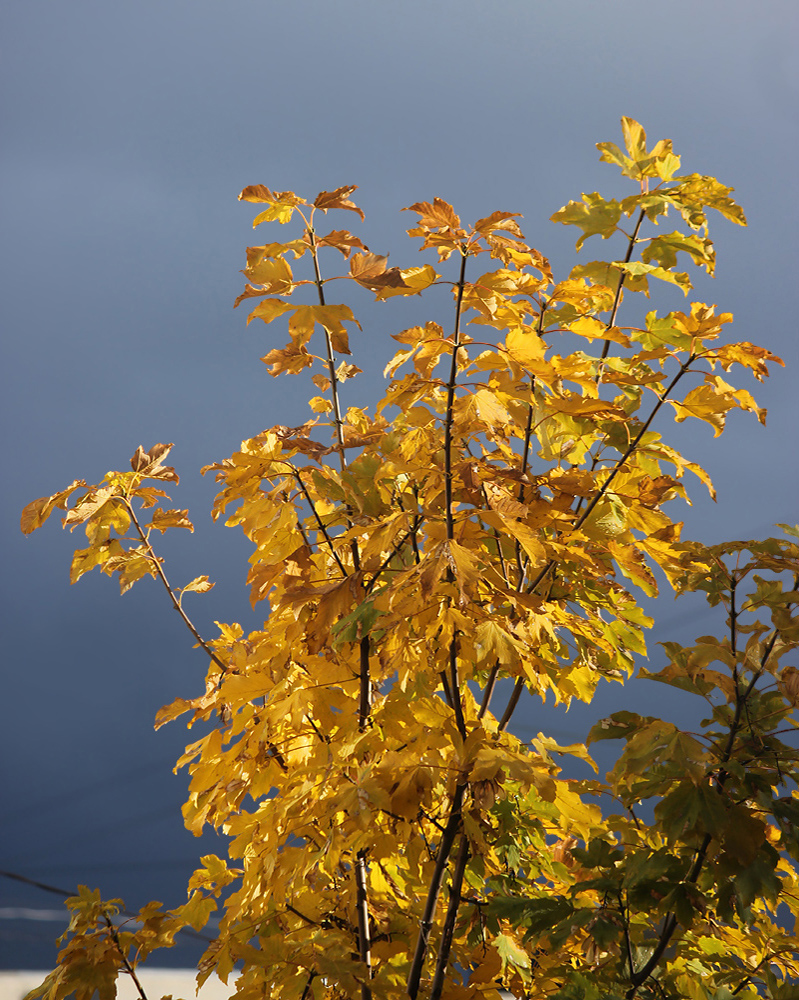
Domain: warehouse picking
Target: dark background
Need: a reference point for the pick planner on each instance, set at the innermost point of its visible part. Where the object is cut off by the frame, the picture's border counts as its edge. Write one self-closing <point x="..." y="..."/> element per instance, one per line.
<point x="128" y="132"/>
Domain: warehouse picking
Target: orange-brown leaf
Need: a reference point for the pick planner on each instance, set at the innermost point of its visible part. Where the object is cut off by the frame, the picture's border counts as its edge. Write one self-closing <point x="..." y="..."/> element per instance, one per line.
<point x="438" y="215"/>
<point x="256" y="193"/>
<point x="148" y="463"/>
<point x="500" y="220"/>
<point x="343" y="241"/>
<point x="163" y="519"/>
<point x="291" y="359"/>
<point x="338" y="199"/>
<point x="369" y="270"/>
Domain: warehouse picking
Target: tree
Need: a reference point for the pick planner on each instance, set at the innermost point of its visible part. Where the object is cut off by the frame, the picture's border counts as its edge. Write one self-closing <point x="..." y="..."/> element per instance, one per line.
<point x="492" y="518"/>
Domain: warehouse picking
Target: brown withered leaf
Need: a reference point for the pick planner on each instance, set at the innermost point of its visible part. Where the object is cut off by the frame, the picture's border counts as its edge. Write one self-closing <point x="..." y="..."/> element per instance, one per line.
<point x="542" y="263"/>
<point x="652" y="491"/>
<point x="343" y="241"/>
<point x="366" y="266"/>
<point x="149" y="463"/>
<point x="500" y="220"/>
<point x="297" y="437"/>
<point x="354" y="438"/>
<point x="369" y="270"/>
<point x="322" y="382"/>
<point x="256" y="192"/>
<point x="338" y="199"/>
<point x="251" y="292"/>
<point x="291" y="359"/>
<point x="438" y="215"/>
<point x="163" y="519"/>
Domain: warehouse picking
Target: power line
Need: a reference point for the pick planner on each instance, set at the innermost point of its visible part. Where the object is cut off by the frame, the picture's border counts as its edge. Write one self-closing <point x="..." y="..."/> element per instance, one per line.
<point x="65" y="894"/>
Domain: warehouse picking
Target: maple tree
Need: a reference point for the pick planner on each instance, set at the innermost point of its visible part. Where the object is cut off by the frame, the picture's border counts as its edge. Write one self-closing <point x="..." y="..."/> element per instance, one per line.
<point x="492" y="518"/>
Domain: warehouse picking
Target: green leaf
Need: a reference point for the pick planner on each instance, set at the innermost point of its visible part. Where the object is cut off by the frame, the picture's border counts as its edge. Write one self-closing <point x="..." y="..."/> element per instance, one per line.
<point x="510" y="953"/>
<point x="643" y="271"/>
<point x="537" y="915"/>
<point x="759" y="880"/>
<point x="593" y="215"/>
<point x="618" y="726"/>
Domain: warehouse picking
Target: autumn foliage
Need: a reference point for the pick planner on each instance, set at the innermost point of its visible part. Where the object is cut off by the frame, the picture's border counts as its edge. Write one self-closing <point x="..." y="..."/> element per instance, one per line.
<point x="492" y="517"/>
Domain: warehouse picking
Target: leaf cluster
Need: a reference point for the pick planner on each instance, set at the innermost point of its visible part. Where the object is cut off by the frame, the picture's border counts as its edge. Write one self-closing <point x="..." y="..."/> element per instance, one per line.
<point x="493" y="517"/>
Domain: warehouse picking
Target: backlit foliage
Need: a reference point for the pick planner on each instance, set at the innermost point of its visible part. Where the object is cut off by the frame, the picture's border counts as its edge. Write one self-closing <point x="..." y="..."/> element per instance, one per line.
<point x="492" y="517"/>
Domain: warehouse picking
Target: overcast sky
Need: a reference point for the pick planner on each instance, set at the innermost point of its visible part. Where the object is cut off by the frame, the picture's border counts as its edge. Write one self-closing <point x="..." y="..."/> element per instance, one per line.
<point x="128" y="130"/>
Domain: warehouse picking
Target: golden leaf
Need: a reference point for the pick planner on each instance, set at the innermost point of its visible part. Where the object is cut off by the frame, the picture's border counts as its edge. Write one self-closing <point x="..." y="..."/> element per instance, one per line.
<point x="346" y="371"/>
<point x="414" y="282"/>
<point x="269" y="310"/>
<point x="281" y="203"/>
<point x="502" y="501"/>
<point x="36" y="512"/>
<point x="273" y="275"/>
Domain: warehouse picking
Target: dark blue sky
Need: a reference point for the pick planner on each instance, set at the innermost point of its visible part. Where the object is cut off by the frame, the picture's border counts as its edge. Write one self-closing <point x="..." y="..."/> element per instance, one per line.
<point x="128" y="132"/>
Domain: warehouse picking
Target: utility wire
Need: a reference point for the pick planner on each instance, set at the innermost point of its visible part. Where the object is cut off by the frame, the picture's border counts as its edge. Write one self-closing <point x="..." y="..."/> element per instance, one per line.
<point x="65" y="894"/>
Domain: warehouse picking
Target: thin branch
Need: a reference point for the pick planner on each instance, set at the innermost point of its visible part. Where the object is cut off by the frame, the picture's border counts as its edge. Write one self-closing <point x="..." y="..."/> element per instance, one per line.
<point x="513" y="701"/>
<point x="322" y="528"/>
<point x="118" y="945"/>
<point x="622" y="276"/>
<point x="410" y="533"/>
<point x="662" y="398"/>
<point x="528" y="433"/>
<point x="453" y="374"/>
<point x="488" y="692"/>
<point x="331" y="368"/>
<point x="307" y="991"/>
<point x="175" y="602"/>
<point x="442" y="858"/>
<point x="627" y="942"/>
<point x="454" y="682"/>
<point x="364" y="935"/>
<point x="448" y="930"/>
<point x="671" y="923"/>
